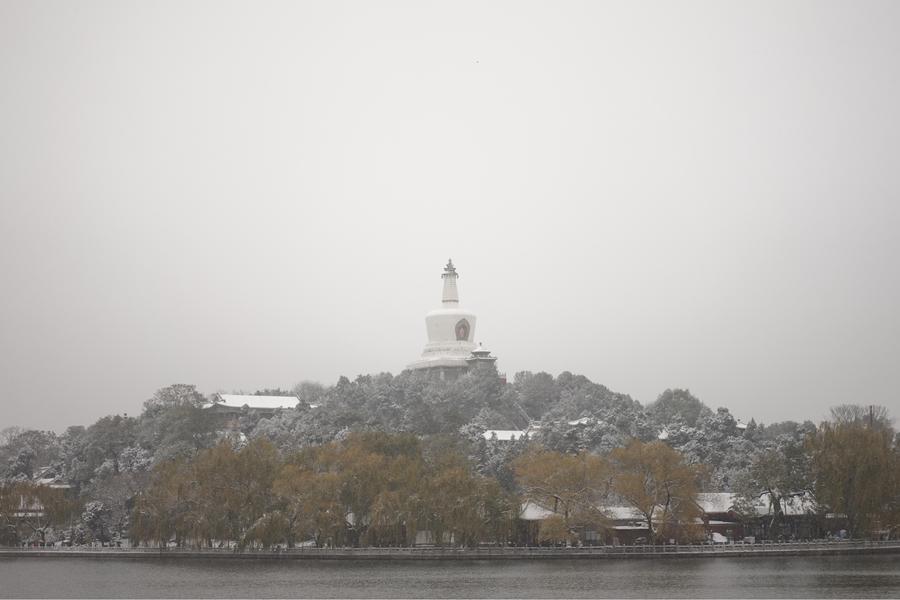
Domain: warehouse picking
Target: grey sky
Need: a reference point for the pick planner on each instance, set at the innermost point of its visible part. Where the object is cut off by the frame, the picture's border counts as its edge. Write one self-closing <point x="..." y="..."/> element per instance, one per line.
<point x="246" y="195"/>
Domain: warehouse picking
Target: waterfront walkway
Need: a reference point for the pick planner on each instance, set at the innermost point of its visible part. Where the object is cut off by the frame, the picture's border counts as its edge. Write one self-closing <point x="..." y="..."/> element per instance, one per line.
<point x="480" y="553"/>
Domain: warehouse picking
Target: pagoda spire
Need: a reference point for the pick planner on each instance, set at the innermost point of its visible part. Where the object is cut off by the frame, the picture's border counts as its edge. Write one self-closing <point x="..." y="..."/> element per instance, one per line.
<point x="450" y="296"/>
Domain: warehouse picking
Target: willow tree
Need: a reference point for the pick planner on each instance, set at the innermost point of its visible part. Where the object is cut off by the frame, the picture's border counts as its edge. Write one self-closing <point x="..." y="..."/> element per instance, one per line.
<point x="362" y="489"/>
<point x="856" y="468"/>
<point x="162" y="511"/>
<point x="777" y="475"/>
<point x="218" y="497"/>
<point x="498" y="510"/>
<point x="306" y="500"/>
<point x="398" y="506"/>
<point x="655" y="480"/>
<point x="30" y="511"/>
<point x="464" y="508"/>
<point x="573" y="486"/>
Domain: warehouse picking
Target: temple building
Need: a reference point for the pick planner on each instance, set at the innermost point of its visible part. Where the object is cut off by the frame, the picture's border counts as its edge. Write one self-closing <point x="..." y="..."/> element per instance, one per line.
<point x="237" y="404"/>
<point x="451" y="329"/>
<point x="481" y="357"/>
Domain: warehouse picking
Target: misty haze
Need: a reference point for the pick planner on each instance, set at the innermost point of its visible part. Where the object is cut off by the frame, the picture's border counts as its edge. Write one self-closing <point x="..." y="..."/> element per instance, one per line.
<point x="700" y="196"/>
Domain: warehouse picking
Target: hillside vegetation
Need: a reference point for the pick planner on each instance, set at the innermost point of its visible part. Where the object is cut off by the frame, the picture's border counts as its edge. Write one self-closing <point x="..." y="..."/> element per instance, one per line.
<point x="374" y="460"/>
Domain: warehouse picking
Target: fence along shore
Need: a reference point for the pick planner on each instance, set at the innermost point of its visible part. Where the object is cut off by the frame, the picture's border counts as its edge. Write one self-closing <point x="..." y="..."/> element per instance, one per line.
<point x="821" y="548"/>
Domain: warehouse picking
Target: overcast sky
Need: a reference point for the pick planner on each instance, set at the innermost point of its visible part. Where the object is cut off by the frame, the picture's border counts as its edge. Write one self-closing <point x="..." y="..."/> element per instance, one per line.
<point x="246" y="195"/>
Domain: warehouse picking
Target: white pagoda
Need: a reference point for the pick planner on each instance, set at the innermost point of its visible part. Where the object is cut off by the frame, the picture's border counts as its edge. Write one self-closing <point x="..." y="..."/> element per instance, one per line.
<point x="451" y="330"/>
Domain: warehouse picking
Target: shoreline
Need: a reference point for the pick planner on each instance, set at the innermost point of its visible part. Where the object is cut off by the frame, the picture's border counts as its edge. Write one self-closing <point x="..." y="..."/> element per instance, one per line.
<point x="497" y="553"/>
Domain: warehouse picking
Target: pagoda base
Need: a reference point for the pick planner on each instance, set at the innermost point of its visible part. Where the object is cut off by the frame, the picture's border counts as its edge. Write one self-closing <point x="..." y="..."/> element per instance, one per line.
<point x="443" y="368"/>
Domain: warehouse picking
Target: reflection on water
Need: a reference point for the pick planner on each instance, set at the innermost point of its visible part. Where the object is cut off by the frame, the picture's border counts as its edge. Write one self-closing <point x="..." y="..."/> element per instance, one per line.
<point x="762" y="577"/>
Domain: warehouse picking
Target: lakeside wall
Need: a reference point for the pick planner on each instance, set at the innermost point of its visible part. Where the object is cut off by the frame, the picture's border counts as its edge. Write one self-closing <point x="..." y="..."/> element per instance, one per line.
<point x="483" y="553"/>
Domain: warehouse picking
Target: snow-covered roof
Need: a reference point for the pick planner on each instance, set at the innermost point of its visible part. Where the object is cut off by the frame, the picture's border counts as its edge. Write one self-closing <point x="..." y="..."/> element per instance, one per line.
<point x="792" y="506"/>
<point x="622" y="513"/>
<point x="504" y="435"/>
<point x="581" y="421"/>
<point x="531" y="511"/>
<point x="716" y="502"/>
<point x="264" y="402"/>
<point x="741" y="425"/>
<point x="663" y="434"/>
<point x="52" y="482"/>
<point x="47" y="477"/>
<point x="722" y="502"/>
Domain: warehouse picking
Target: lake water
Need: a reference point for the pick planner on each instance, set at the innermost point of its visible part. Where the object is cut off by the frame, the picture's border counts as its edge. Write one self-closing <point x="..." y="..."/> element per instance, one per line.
<point x="763" y="577"/>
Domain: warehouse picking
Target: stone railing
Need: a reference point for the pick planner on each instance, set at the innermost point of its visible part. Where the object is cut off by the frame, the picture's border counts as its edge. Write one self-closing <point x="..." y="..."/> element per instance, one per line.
<point x="511" y="552"/>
